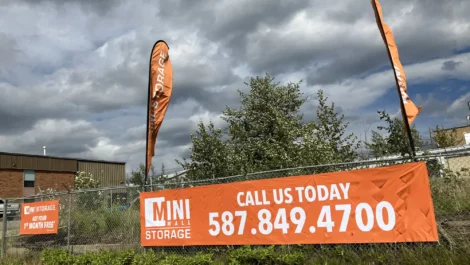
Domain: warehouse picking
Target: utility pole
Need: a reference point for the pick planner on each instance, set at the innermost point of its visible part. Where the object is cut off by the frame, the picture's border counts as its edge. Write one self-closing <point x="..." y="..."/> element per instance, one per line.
<point x="430" y="135"/>
<point x="364" y="127"/>
<point x="468" y="116"/>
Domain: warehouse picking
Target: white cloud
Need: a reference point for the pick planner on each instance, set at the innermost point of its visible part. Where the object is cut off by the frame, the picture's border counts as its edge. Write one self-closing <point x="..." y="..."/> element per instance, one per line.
<point x="460" y="106"/>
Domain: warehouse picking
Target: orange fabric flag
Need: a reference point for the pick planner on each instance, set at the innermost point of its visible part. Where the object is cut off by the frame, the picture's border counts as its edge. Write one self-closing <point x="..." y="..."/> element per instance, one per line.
<point x="160" y="88"/>
<point x="410" y="108"/>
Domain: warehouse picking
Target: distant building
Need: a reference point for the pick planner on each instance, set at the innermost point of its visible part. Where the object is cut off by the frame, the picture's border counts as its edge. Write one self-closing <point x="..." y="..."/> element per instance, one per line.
<point x="462" y="134"/>
<point x="456" y="159"/>
<point x="23" y="175"/>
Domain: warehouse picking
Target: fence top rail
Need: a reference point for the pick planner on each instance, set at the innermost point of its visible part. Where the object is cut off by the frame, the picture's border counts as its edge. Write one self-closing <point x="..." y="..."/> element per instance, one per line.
<point x="73" y="192"/>
<point x="352" y="163"/>
<point x="446" y="154"/>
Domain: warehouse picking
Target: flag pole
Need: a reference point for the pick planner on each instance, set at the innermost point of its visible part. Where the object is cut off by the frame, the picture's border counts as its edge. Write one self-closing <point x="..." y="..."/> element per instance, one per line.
<point x="402" y="105"/>
<point x="148" y="117"/>
<point x="147" y="127"/>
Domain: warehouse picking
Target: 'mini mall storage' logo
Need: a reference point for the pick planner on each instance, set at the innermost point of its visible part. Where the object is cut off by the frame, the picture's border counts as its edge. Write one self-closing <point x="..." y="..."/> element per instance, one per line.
<point x="167" y="219"/>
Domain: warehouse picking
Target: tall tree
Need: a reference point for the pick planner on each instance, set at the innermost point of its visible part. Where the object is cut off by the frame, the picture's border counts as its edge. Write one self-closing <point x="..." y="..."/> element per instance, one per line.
<point x="209" y="154"/>
<point x="445" y="138"/>
<point x="332" y="128"/>
<point x="267" y="132"/>
<point x="395" y="139"/>
<point x="266" y="125"/>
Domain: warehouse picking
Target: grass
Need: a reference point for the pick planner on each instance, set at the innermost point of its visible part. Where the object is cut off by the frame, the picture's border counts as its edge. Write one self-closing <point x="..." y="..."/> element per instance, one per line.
<point x="451" y="195"/>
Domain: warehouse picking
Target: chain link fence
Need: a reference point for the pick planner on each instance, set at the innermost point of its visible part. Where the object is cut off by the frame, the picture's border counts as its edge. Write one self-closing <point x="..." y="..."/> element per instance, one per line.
<point x="109" y="218"/>
<point x="103" y="218"/>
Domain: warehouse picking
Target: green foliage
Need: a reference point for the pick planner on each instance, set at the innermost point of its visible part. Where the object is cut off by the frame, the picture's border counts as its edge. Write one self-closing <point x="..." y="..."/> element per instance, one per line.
<point x="137" y="176"/>
<point x="395" y="141"/>
<point x="88" y="201"/>
<point x="148" y="258"/>
<point x="127" y="257"/>
<point x="274" y="255"/>
<point x="56" y="257"/>
<point x="29" y="258"/>
<point x="105" y="226"/>
<point x="60" y="256"/>
<point x="332" y="130"/>
<point x="86" y="181"/>
<point x="451" y="192"/>
<point x="268" y="132"/>
<point x="210" y="154"/>
<point x="264" y="255"/>
<point x="82" y="181"/>
<point x="443" y="138"/>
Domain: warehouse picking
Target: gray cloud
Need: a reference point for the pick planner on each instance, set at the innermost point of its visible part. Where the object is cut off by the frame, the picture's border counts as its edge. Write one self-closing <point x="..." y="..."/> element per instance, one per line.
<point x="175" y="132"/>
<point x="347" y="65"/>
<point x="8" y="50"/>
<point x="450" y="65"/>
<point x="61" y="137"/>
<point x="432" y="105"/>
<point x="101" y="6"/>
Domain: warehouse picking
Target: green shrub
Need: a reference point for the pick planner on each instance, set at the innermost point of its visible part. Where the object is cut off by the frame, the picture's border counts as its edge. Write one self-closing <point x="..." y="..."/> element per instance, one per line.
<point x="56" y="257"/>
<point x="84" y="259"/>
<point x="274" y="255"/>
<point x="128" y="257"/>
<point x="199" y="259"/>
<point x="147" y="258"/>
<point x="265" y="255"/>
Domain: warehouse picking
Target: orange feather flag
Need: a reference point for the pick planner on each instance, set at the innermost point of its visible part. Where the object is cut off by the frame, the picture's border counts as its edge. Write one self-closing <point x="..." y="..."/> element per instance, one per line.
<point x="160" y="88"/>
<point x="410" y="108"/>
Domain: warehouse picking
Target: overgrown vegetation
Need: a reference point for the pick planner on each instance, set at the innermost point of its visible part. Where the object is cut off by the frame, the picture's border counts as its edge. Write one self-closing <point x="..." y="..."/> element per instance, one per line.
<point x="451" y="193"/>
<point x="445" y="138"/>
<point x="279" y="255"/>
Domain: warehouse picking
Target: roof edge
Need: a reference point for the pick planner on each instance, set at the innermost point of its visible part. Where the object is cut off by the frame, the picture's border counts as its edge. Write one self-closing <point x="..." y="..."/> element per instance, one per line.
<point x="453" y="128"/>
<point x="64" y="158"/>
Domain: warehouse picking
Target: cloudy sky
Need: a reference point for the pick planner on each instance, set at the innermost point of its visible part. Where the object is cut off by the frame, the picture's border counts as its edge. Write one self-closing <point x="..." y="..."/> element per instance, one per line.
<point x="74" y="73"/>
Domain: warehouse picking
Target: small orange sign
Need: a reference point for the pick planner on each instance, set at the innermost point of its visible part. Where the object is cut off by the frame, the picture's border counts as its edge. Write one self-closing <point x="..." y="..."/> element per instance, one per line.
<point x="377" y="205"/>
<point x="39" y="218"/>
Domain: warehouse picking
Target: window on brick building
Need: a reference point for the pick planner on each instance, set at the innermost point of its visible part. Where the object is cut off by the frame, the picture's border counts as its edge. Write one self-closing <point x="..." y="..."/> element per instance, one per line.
<point x="29" y="178"/>
<point x="28" y="186"/>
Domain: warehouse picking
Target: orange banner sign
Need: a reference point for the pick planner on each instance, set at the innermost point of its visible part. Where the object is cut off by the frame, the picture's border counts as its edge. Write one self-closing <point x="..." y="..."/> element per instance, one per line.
<point x="388" y="204"/>
<point x="387" y="35"/>
<point x="160" y="89"/>
<point x="39" y="218"/>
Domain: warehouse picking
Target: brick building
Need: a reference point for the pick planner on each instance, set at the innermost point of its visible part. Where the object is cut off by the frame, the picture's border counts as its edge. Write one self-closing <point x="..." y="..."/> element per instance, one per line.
<point x="23" y="175"/>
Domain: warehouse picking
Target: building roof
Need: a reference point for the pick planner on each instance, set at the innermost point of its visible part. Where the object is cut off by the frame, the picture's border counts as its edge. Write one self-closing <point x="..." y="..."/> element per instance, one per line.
<point x="63" y="158"/>
<point x="436" y="151"/>
<point x="456" y="127"/>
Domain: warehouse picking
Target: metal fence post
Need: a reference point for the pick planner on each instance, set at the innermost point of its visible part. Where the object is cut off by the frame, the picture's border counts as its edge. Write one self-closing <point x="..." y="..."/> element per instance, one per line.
<point x="4" y="229"/>
<point x="69" y="221"/>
